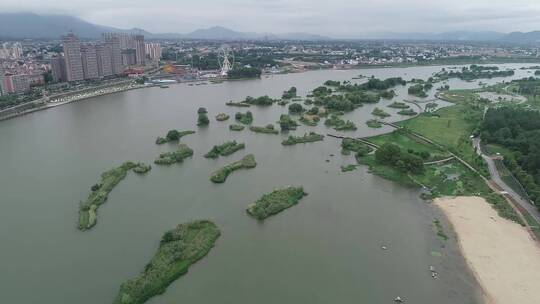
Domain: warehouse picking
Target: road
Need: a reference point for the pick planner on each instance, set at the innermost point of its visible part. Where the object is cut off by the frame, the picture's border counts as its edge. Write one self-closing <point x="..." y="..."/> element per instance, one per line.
<point x="496" y="178"/>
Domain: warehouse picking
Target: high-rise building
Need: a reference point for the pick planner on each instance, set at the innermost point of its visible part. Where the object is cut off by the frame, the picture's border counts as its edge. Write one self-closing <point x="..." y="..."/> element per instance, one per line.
<point x="153" y="51"/>
<point x="58" y="68"/>
<point x="15" y="83"/>
<point x="129" y="57"/>
<point x="104" y="61"/>
<point x="112" y="44"/>
<point x="89" y="61"/>
<point x="126" y="41"/>
<point x="72" y="55"/>
<point x="140" y="51"/>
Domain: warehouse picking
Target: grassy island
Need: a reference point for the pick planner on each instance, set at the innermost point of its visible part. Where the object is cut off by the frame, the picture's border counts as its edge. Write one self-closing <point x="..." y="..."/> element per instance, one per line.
<point x="235" y="127"/>
<point x="309" y="120"/>
<point x="348" y="168"/>
<point x="142" y="168"/>
<point x="173" y="135"/>
<point x="417" y="90"/>
<point x="380" y="113"/>
<point x="308" y="137"/>
<point x="238" y="104"/>
<point x="225" y="149"/>
<point x="355" y="145"/>
<point x="398" y="105"/>
<point x="339" y="124"/>
<point x="222" y="117"/>
<point x="259" y="101"/>
<point x="287" y="123"/>
<point x="244" y="118"/>
<point x="247" y="162"/>
<point x="99" y="194"/>
<point x="275" y="202"/>
<point x="268" y="129"/>
<point x="177" y="156"/>
<point x="373" y="123"/>
<point x="408" y="112"/>
<point x="178" y="250"/>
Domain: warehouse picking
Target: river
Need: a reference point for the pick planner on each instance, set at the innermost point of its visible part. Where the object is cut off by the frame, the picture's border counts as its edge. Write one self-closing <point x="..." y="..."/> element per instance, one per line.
<point x="325" y="250"/>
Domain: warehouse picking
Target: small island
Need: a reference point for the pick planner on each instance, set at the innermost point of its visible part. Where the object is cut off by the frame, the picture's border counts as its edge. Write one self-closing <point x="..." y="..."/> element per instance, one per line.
<point x="339" y="124"/>
<point x="380" y="113"/>
<point x="244" y="118"/>
<point x="259" y="101"/>
<point x="235" y="127"/>
<point x="309" y="120"/>
<point x="287" y="123"/>
<point x="348" y="168"/>
<point x="407" y="112"/>
<point x="225" y="149"/>
<point x="308" y="137"/>
<point x="289" y="94"/>
<point x="268" y="129"/>
<point x="418" y="90"/>
<point x="169" y="158"/>
<point x="237" y="104"/>
<point x="355" y="145"/>
<point x="202" y="119"/>
<point x="173" y="135"/>
<point x="247" y="162"/>
<point x="373" y="123"/>
<point x="178" y="250"/>
<point x="142" y="168"/>
<point x="100" y="192"/>
<point x="222" y="117"/>
<point x="398" y="105"/>
<point x="275" y="202"/>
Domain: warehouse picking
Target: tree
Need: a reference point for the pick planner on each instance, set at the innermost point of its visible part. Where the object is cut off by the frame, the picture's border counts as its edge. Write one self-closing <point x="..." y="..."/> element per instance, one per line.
<point x="47" y="77"/>
<point x="173" y="135"/>
<point x="203" y="120"/>
<point x="387" y="153"/>
<point x="296" y="108"/>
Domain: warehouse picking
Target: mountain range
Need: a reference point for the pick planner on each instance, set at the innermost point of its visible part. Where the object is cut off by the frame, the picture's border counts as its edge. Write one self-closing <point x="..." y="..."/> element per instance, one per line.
<point x="30" y="25"/>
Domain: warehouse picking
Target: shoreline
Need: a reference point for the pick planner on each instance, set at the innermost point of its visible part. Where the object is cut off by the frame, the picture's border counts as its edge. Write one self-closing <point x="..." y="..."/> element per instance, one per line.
<point x="48" y="105"/>
<point x="359" y="67"/>
<point x="502" y="255"/>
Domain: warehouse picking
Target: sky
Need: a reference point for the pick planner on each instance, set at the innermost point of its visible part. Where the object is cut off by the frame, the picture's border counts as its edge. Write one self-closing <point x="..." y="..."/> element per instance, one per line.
<point x="337" y="18"/>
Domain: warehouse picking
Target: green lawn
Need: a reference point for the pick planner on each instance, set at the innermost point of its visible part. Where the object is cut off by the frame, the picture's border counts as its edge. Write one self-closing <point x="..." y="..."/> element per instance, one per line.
<point x="407" y="142"/>
<point x="452" y="128"/>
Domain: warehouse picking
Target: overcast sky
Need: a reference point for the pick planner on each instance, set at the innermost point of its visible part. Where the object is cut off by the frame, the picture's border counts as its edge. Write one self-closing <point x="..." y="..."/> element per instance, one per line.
<point x="338" y="18"/>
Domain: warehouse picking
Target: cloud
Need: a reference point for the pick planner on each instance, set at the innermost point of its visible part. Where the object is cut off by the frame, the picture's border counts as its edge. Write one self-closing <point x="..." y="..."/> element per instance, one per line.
<point x="342" y="18"/>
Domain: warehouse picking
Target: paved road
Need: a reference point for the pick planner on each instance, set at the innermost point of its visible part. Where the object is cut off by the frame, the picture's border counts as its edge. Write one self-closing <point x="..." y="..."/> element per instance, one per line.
<point x="495" y="177"/>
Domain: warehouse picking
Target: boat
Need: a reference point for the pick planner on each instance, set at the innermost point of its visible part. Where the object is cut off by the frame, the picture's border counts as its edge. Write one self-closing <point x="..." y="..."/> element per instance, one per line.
<point x="163" y="86"/>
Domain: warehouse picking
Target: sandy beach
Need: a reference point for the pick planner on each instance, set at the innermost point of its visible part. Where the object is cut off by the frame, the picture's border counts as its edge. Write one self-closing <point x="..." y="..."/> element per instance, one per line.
<point x="503" y="257"/>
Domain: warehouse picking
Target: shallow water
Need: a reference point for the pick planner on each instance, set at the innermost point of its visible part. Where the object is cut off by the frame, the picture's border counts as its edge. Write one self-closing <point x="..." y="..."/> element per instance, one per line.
<point x="325" y="250"/>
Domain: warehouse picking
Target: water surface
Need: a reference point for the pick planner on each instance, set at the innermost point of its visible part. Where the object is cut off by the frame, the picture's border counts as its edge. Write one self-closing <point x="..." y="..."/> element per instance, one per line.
<point x="325" y="250"/>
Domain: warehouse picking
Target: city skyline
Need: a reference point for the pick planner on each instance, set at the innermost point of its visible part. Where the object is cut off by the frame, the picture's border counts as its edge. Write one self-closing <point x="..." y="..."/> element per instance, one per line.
<point x="340" y="19"/>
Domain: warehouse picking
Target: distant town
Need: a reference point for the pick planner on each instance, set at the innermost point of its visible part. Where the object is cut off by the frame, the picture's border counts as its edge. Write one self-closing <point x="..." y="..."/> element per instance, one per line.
<point x="37" y="73"/>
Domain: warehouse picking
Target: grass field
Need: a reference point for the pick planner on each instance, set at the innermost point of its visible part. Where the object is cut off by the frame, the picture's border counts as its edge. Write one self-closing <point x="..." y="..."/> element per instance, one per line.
<point x="407" y="142"/>
<point x="452" y="128"/>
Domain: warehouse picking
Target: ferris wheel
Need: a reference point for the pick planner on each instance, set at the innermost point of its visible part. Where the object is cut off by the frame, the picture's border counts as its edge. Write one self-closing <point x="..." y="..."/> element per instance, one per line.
<point x="225" y="59"/>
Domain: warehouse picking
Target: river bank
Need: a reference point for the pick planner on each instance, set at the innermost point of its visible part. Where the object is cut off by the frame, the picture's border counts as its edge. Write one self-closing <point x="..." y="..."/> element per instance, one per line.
<point x="65" y="98"/>
<point x="502" y="255"/>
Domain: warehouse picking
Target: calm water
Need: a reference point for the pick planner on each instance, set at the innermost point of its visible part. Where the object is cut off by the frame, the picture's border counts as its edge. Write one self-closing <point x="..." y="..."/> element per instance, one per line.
<point x="325" y="250"/>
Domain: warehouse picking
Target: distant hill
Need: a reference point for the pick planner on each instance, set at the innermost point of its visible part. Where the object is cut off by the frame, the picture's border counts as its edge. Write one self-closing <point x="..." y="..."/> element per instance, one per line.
<point x="30" y="25"/>
<point x="520" y="37"/>
<point x="217" y="33"/>
<point x="445" y="36"/>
